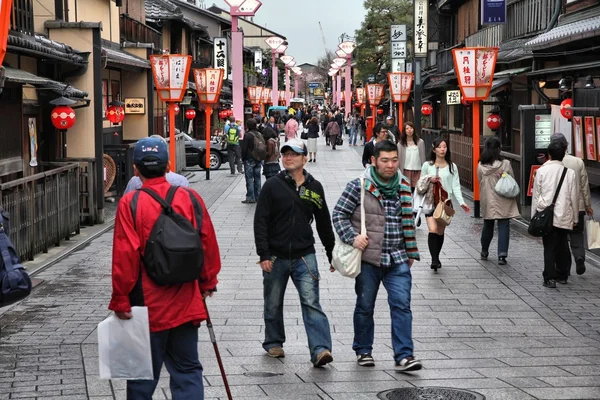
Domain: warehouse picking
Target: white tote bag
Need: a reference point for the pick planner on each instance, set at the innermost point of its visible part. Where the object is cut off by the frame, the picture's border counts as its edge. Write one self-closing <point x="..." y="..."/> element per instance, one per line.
<point x="347" y="259"/>
<point x="124" y="346"/>
<point x="592" y="231"/>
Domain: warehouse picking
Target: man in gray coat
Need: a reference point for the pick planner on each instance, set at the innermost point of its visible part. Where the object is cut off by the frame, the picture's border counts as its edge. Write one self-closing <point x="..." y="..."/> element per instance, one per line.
<point x="585" y="203"/>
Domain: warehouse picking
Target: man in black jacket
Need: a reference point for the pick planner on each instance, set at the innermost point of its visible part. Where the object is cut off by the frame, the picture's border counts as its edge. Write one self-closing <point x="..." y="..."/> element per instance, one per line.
<point x="252" y="165"/>
<point x="284" y="239"/>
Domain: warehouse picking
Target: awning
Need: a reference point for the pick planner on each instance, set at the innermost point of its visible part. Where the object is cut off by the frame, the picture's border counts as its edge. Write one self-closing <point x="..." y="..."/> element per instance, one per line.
<point x="498" y="85"/>
<point x="563" y="68"/>
<point x="27" y="78"/>
<point x="567" y="33"/>
<point x="511" y="72"/>
<point x="437" y="82"/>
<point x="44" y="48"/>
<point x="514" y="50"/>
<point x="121" y="58"/>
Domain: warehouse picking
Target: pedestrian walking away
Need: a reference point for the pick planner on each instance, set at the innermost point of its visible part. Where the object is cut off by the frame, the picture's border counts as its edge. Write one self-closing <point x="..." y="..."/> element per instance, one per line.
<point x="333" y="130"/>
<point x="585" y="203"/>
<point x="547" y="190"/>
<point x="495" y="207"/>
<point x="175" y="310"/>
<point x="291" y="129"/>
<point x="313" y="135"/>
<point x="388" y="253"/>
<point x="411" y="154"/>
<point x="234" y="151"/>
<point x="380" y="133"/>
<point x="284" y="240"/>
<point x="440" y="169"/>
<point x="271" y="167"/>
<point x="254" y="152"/>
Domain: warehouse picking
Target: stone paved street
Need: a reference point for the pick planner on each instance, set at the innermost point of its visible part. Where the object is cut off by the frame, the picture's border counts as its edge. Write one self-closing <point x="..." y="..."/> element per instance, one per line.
<point x="479" y="326"/>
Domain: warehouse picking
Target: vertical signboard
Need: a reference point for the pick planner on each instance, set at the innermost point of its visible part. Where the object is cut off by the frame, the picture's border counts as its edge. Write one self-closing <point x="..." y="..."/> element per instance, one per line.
<point x="420" y="31"/>
<point x="258" y="56"/>
<point x="398" y="50"/>
<point x="220" y="55"/>
<point x="493" y="12"/>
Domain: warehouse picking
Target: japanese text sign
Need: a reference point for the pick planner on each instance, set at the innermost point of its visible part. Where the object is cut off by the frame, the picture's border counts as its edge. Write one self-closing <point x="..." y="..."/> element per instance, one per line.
<point x="255" y="94"/>
<point x="247" y="9"/>
<point x="282" y="95"/>
<point x="208" y="84"/>
<point x="258" y="55"/>
<point x="474" y="68"/>
<point x="360" y="95"/>
<point x="170" y="74"/>
<point x="398" y="33"/>
<point x="400" y="86"/>
<point x="398" y="50"/>
<point x="266" y="96"/>
<point x="220" y="55"/>
<point x="452" y="97"/>
<point x="375" y="93"/>
<point x="420" y="31"/>
<point x="493" y="12"/>
<point x="347" y="47"/>
<point x="274" y="42"/>
<point x="399" y="65"/>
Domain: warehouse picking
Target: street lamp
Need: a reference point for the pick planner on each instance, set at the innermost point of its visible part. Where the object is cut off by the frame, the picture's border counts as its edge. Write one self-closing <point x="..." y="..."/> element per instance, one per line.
<point x="287" y="60"/>
<point x="239" y="8"/>
<point x="274" y="42"/>
<point x="348" y="48"/>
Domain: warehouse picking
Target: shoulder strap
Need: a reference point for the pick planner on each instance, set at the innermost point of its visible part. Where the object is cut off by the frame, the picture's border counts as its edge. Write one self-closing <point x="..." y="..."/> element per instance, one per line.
<point x="164" y="203"/>
<point x="562" y="178"/>
<point x="197" y="208"/>
<point x="133" y="205"/>
<point x="363" y="224"/>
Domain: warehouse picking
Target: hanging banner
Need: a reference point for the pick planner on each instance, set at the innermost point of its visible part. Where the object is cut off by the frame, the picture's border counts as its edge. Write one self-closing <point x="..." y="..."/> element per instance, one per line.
<point x="258" y="55"/>
<point x="493" y="12"/>
<point x="420" y="31"/>
<point x="220" y="55"/>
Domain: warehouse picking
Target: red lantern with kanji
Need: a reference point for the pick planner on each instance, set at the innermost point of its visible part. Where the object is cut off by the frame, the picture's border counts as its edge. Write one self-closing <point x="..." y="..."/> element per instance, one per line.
<point x="494" y="122"/>
<point x="63" y="117"/>
<point x="565" y="108"/>
<point x="190" y="114"/>
<point x="426" y="109"/>
<point x="115" y="114"/>
<point x="176" y="109"/>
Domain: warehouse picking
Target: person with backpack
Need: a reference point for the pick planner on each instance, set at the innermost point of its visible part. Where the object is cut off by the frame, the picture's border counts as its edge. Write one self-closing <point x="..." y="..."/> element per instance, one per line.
<point x="15" y="283"/>
<point x="271" y="167"/>
<point x="285" y="244"/>
<point x="254" y="153"/>
<point x="166" y="258"/>
<point x="234" y="152"/>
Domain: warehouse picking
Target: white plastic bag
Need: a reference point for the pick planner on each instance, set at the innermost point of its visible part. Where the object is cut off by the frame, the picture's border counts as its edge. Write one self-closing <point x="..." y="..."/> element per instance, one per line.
<point x="347" y="259"/>
<point x="419" y="205"/>
<point x="507" y="186"/>
<point x="592" y="231"/>
<point x="124" y="347"/>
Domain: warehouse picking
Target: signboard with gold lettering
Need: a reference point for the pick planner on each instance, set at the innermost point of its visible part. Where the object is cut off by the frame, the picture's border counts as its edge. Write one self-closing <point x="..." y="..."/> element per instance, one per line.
<point x="135" y="105"/>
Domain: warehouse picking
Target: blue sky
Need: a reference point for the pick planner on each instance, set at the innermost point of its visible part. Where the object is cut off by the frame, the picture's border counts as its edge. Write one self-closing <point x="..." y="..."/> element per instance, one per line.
<point x="298" y="20"/>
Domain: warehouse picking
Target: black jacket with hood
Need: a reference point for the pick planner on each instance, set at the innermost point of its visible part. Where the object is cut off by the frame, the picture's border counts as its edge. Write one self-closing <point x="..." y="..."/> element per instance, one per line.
<point x="282" y="223"/>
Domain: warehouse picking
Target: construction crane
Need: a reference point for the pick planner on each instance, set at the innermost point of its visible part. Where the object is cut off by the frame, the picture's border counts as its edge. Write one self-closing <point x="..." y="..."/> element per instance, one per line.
<point x="323" y="37"/>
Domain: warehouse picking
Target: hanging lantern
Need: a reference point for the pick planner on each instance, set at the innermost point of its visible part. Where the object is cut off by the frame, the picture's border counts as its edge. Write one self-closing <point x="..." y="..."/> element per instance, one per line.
<point x="379" y="111"/>
<point x="176" y="109"/>
<point x="494" y="121"/>
<point x="222" y="114"/>
<point x="229" y="112"/>
<point x="190" y="114"/>
<point x="426" y="109"/>
<point x="565" y="108"/>
<point x="115" y="114"/>
<point x="63" y="117"/>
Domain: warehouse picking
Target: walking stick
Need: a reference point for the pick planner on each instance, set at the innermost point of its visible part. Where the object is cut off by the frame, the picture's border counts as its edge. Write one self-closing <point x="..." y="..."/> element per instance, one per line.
<point x="213" y="339"/>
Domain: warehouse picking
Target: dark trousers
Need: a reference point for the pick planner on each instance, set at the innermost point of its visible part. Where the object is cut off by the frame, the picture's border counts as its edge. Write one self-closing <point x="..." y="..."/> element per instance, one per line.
<point x="333" y="141"/>
<point x="234" y="153"/>
<point x="557" y="256"/>
<point x="487" y="234"/>
<point x="177" y="348"/>
<point x="576" y="238"/>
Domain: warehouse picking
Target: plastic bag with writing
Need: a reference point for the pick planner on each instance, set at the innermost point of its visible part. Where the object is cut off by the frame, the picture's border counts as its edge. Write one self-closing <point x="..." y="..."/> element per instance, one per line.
<point x="124" y="347"/>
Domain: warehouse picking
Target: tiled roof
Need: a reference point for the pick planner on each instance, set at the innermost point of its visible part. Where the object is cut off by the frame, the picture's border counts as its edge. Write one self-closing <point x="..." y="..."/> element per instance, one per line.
<point x="567" y="33"/>
<point x="165" y="10"/>
<point x="27" y="78"/>
<point x="123" y="58"/>
<point x="513" y="50"/>
<point x="42" y="47"/>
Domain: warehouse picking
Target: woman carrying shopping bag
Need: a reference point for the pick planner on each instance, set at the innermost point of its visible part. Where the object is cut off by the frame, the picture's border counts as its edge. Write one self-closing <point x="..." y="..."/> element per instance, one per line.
<point x="440" y="168"/>
<point x="495" y="207"/>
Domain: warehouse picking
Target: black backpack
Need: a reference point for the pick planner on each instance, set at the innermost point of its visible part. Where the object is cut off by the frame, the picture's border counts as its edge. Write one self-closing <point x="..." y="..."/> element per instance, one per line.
<point x="15" y="283"/>
<point x="173" y="253"/>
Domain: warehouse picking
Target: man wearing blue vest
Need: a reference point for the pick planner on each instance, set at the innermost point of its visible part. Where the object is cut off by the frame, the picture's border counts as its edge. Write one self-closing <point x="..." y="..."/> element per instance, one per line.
<point x="232" y="137"/>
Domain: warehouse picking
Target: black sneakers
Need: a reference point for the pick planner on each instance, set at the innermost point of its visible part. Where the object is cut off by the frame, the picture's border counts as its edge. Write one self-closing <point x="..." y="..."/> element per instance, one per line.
<point x="408" y="364"/>
<point x="502" y="261"/>
<point x="550" y="283"/>
<point x="365" y="360"/>
<point x="580" y="266"/>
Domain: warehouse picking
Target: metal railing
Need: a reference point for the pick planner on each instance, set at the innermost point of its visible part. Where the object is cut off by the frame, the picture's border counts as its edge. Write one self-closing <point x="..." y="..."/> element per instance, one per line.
<point x="88" y="209"/>
<point x="43" y="208"/>
<point x="136" y="31"/>
<point x="527" y="16"/>
<point x="179" y="152"/>
<point x="444" y="61"/>
<point x="486" y="37"/>
<point x="21" y="19"/>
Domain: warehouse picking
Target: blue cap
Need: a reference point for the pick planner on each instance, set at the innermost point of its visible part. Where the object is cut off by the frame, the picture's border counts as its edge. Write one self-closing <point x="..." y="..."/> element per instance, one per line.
<point x="150" y="151"/>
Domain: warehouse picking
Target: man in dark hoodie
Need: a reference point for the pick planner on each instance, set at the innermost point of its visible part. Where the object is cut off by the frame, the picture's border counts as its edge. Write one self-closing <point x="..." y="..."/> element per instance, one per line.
<point x="287" y="205"/>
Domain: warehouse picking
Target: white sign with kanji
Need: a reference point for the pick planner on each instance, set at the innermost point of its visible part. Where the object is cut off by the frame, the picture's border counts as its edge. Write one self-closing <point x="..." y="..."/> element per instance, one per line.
<point x="398" y="65"/>
<point x="399" y="50"/>
<point x="160" y="69"/>
<point x="465" y="71"/>
<point x="178" y="77"/>
<point x="249" y="7"/>
<point x="398" y="33"/>
<point x="374" y="93"/>
<point x="475" y="71"/>
<point x="420" y="31"/>
<point x="400" y="86"/>
<point x="347" y="47"/>
<point x="170" y="72"/>
<point x="274" y="42"/>
<point x="452" y="97"/>
<point x="360" y="95"/>
<point x="220" y="55"/>
<point x="258" y="55"/>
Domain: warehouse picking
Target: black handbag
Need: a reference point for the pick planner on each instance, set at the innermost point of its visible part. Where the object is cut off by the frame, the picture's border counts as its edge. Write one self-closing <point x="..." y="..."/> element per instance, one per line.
<point x="542" y="221"/>
<point x="339" y="141"/>
<point x="304" y="134"/>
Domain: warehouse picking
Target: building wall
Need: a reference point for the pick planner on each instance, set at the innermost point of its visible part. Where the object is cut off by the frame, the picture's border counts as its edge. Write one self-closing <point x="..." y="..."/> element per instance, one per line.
<point x="81" y="137"/>
<point x="43" y="10"/>
<point x="468" y="19"/>
<point x="135" y="9"/>
<point x="135" y="84"/>
<point x="104" y="11"/>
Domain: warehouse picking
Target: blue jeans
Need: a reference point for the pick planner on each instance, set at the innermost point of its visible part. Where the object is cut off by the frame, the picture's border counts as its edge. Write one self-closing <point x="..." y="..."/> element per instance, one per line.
<point x="305" y="275"/>
<point x="178" y="349"/>
<point x="487" y="234"/>
<point x="353" y="136"/>
<point x="252" y="173"/>
<point x="397" y="281"/>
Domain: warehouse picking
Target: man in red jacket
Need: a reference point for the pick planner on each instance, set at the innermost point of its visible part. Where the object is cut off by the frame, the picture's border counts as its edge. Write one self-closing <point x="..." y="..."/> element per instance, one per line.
<point x="175" y="311"/>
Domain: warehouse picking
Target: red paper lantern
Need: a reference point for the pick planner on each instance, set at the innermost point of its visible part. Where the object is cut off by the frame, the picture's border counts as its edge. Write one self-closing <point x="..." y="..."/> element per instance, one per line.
<point x="176" y="109"/>
<point x="115" y="114"/>
<point x="222" y="114"/>
<point x="379" y="111"/>
<point x="565" y="108"/>
<point x="229" y="112"/>
<point x="357" y="105"/>
<point x="426" y="109"/>
<point x="190" y="114"/>
<point x="63" y="117"/>
<point x="494" y="121"/>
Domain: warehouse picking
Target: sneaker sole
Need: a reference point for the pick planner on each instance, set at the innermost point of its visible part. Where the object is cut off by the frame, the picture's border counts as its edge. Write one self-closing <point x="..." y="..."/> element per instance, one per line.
<point x="323" y="360"/>
<point x="366" y="363"/>
<point x="410" y="368"/>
